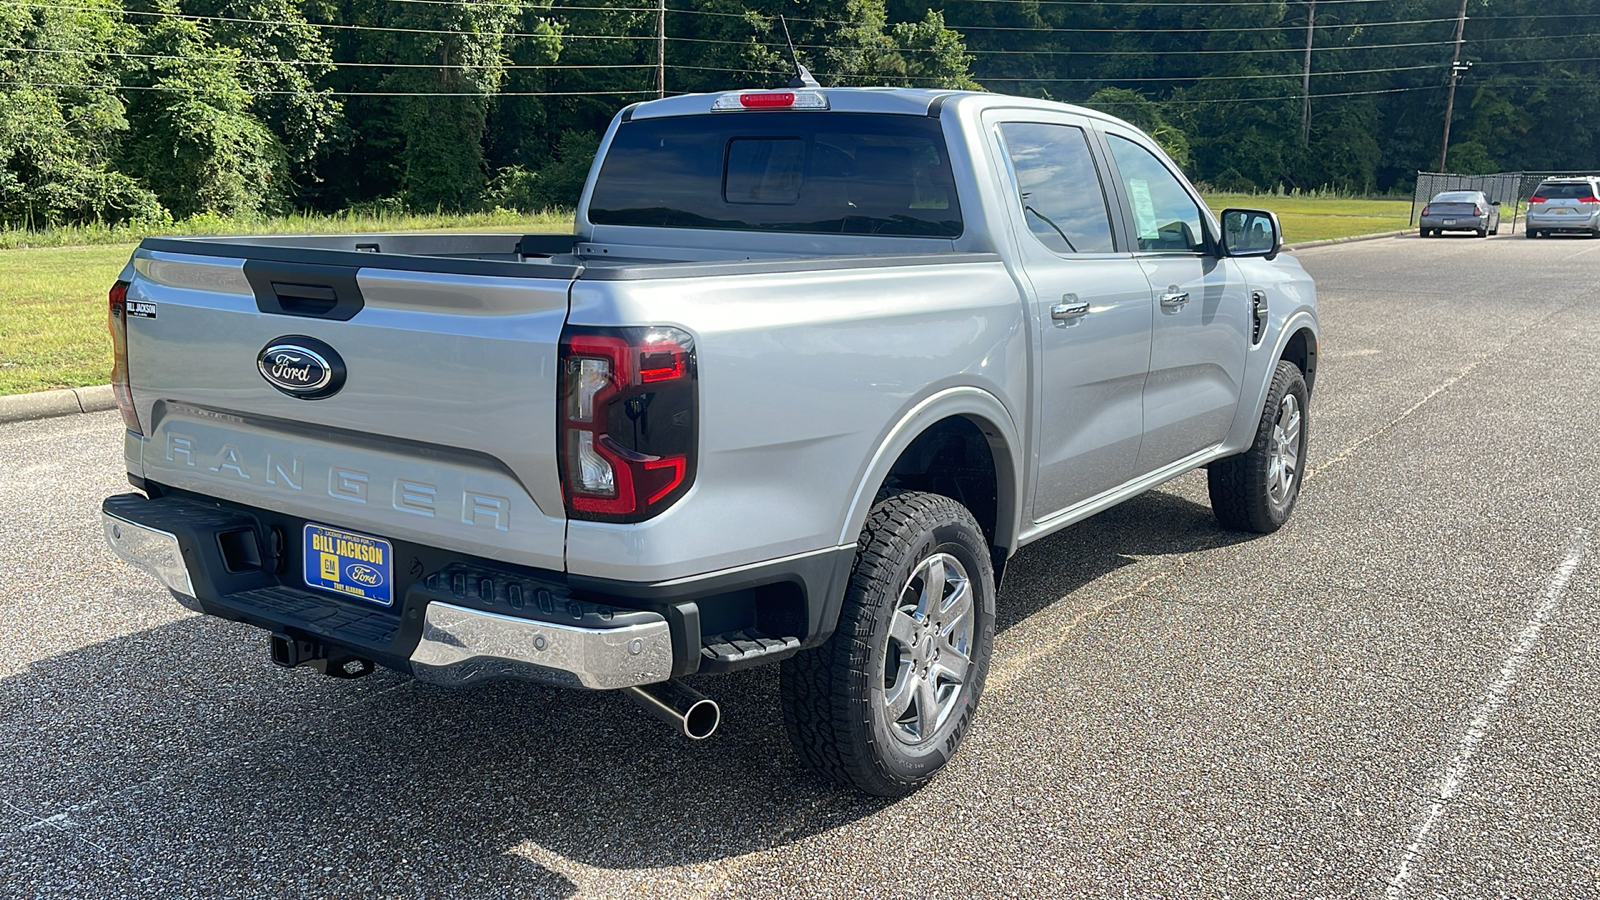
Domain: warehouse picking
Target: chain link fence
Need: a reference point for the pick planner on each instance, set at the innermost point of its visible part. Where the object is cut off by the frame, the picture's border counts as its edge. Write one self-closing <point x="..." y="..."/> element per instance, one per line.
<point x="1509" y="188"/>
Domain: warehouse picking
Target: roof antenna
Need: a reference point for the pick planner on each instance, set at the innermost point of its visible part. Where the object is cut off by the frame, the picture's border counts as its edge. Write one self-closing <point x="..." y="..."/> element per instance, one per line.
<point x="802" y="77"/>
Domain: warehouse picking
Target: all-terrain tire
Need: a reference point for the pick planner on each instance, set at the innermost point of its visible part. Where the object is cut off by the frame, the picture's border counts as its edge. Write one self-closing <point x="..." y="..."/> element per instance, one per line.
<point x="1256" y="490"/>
<point x="839" y="698"/>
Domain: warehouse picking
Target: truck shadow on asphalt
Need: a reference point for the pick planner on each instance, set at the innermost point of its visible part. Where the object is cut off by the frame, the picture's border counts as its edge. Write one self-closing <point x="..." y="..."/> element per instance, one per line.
<point x="180" y="750"/>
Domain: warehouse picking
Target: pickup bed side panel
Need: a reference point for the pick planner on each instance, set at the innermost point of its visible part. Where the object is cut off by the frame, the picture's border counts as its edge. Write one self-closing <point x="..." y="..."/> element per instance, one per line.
<point x="801" y="376"/>
<point x="443" y="432"/>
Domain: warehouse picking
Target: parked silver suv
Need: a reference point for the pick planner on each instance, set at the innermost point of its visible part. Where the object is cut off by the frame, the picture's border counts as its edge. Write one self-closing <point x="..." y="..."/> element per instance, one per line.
<point x="1565" y="206"/>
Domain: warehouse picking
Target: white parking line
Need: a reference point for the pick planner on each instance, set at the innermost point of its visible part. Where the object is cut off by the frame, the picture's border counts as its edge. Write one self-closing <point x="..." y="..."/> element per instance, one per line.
<point x="1450" y="783"/>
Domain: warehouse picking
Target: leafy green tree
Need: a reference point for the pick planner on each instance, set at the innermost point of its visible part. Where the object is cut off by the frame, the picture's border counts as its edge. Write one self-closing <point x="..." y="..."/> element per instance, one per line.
<point x="448" y="60"/>
<point x="60" y="118"/>
<point x="1148" y="115"/>
<point x="196" y="140"/>
<point x="287" y="59"/>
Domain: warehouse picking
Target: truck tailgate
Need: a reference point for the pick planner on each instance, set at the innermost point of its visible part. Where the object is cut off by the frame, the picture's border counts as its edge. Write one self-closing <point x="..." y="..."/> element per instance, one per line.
<point x="442" y="433"/>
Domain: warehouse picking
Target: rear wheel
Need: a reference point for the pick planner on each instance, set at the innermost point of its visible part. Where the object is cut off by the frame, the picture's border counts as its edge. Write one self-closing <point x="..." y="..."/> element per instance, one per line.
<point x="1423" y="233"/>
<point x="1483" y="232"/>
<point x="884" y="703"/>
<point x="1257" y="489"/>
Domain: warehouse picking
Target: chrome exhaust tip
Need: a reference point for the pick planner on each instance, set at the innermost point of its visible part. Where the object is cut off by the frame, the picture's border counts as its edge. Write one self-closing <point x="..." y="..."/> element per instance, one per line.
<point x="692" y="713"/>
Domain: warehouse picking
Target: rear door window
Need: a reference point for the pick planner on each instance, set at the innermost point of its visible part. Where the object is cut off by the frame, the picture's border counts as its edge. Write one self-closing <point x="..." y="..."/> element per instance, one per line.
<point x="1059" y="187"/>
<point x="809" y="172"/>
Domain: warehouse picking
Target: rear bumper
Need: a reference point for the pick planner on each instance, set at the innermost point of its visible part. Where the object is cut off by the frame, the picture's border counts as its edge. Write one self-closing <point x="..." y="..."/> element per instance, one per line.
<point x="461" y="645"/>
<point x="452" y="645"/>
<point x="460" y="620"/>
<point x="1557" y="222"/>
<point x="1458" y="223"/>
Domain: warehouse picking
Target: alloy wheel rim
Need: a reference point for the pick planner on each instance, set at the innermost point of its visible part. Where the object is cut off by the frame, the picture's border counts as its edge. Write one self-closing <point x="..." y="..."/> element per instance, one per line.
<point x="1283" y="464"/>
<point x="929" y="653"/>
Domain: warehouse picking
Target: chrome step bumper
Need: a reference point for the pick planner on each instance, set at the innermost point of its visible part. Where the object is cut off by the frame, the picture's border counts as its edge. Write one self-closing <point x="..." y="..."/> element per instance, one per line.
<point x="597" y="647"/>
<point x="464" y="646"/>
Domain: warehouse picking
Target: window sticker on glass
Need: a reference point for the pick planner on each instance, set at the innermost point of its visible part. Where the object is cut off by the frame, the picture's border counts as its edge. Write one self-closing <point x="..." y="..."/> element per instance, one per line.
<point x="1144" y="210"/>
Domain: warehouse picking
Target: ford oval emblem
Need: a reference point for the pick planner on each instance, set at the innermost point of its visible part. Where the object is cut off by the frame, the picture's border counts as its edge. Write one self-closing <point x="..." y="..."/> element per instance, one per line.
<point x="301" y="367"/>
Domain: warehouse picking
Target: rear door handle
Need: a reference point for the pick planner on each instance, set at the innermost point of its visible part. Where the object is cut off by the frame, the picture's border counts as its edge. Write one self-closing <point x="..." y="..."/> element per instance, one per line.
<point x="1174" y="299"/>
<point x="1066" y="312"/>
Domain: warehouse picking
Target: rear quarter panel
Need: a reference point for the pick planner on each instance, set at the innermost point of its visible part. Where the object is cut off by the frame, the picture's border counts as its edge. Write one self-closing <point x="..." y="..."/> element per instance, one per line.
<point x="803" y="377"/>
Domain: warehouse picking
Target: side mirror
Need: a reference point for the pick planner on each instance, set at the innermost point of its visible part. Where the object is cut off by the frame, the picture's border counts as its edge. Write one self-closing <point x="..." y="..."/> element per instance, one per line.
<point x="1494" y="202"/>
<point x="1251" y="232"/>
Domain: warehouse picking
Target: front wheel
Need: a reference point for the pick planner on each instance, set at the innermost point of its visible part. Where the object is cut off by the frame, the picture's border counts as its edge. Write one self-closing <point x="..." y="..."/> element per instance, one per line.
<point x="884" y="703"/>
<point x="1257" y="489"/>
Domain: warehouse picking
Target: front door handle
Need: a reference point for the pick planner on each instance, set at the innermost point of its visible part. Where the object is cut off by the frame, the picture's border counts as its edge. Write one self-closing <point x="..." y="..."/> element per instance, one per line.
<point x="1066" y="312"/>
<point x="1173" y="299"/>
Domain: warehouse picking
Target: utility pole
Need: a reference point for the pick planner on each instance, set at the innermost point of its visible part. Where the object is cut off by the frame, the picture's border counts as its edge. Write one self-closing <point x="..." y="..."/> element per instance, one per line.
<point x="1456" y="68"/>
<point x="661" y="46"/>
<point x="1305" y="85"/>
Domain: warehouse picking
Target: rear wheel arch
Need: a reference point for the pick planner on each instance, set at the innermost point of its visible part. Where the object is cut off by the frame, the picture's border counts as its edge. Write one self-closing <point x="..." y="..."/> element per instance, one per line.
<point x="960" y="444"/>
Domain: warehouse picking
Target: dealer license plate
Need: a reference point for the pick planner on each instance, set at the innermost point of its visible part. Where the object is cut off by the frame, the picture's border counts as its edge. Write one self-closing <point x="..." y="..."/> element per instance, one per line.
<point x="355" y="565"/>
<point x="1449" y="221"/>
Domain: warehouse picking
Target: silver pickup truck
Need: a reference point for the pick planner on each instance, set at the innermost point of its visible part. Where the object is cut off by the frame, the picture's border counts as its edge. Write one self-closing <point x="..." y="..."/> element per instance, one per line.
<point x="813" y="364"/>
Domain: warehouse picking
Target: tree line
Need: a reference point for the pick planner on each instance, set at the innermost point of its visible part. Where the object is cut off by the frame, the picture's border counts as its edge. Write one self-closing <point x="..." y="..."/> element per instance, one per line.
<point x="116" y="110"/>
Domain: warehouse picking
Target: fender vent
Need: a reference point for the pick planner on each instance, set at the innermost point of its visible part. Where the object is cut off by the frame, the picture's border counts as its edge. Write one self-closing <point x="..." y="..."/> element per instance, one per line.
<point x="1258" y="316"/>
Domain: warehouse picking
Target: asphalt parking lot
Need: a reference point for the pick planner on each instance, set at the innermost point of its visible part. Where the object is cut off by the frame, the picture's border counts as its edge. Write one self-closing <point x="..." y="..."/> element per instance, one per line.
<point x="1395" y="695"/>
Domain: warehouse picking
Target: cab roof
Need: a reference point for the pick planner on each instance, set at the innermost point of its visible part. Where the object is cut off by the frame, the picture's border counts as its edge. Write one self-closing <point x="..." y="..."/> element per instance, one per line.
<point x="891" y="100"/>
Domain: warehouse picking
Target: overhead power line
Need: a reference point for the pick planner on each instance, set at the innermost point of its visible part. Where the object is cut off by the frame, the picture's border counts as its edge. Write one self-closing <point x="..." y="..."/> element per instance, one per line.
<point x="1296" y="96"/>
<point x="318" y="93"/>
<point x="971" y="52"/>
<point x="1111" y="79"/>
<point x="1054" y="30"/>
<point x="336" y="64"/>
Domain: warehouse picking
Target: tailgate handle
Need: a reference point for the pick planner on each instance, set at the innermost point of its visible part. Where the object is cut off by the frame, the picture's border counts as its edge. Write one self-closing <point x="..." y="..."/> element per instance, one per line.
<point x="304" y="289"/>
<point x="305" y="299"/>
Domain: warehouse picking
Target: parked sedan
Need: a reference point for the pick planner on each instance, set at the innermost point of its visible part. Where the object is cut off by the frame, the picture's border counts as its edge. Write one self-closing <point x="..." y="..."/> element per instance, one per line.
<point x="1565" y="206"/>
<point x="1461" y="211"/>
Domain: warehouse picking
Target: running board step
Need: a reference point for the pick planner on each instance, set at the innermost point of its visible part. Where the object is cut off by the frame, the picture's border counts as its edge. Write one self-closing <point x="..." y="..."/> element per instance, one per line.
<point x="741" y="649"/>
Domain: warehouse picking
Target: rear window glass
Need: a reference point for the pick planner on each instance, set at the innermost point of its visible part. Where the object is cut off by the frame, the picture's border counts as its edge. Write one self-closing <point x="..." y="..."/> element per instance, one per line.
<point x="809" y="172"/>
<point x="1568" y="191"/>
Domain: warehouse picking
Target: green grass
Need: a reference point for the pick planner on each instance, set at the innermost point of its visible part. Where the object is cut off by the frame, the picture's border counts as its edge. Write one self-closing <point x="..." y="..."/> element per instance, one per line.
<point x="53" y="284"/>
<point x="300" y="223"/>
<point x="53" y="297"/>
<point x="1318" y="218"/>
<point x="53" y="317"/>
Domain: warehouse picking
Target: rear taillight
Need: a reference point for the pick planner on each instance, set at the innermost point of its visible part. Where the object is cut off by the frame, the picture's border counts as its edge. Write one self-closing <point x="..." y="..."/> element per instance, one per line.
<point x="121" y="388"/>
<point x="1427" y="210"/>
<point x="628" y="411"/>
<point x="1590" y="199"/>
<point x="1477" y="210"/>
<point x="1535" y="199"/>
